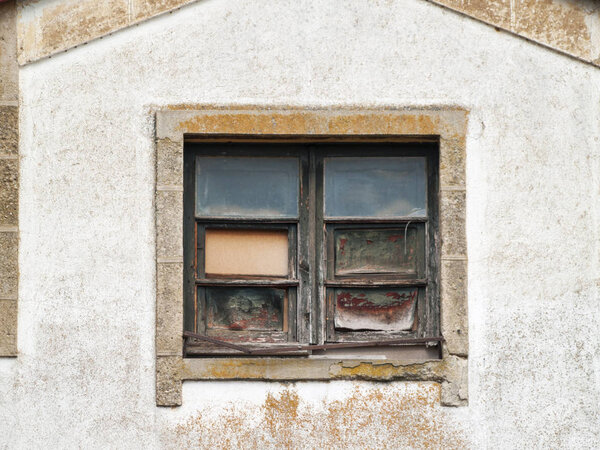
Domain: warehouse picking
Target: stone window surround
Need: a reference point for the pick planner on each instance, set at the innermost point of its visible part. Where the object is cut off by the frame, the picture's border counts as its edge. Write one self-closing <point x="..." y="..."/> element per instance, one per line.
<point x="445" y="124"/>
<point x="9" y="227"/>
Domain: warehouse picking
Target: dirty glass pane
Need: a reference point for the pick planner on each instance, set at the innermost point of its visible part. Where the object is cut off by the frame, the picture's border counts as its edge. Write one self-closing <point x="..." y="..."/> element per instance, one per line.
<point x="390" y="309"/>
<point x="246" y="308"/>
<point x="380" y="251"/>
<point x="252" y="187"/>
<point x="375" y="187"/>
<point x="246" y="252"/>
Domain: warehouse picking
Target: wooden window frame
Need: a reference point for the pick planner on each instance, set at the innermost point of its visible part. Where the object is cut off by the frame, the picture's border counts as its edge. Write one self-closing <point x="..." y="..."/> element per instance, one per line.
<point x="428" y="310"/>
<point x="309" y="296"/>
<point x="445" y="126"/>
<point x="194" y="274"/>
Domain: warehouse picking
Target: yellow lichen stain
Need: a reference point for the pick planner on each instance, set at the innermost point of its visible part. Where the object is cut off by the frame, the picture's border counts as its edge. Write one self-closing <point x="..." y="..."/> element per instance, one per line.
<point x="432" y="370"/>
<point x="331" y="122"/>
<point x="384" y="123"/>
<point x="224" y="368"/>
<point x="248" y="123"/>
<point x="369" y="415"/>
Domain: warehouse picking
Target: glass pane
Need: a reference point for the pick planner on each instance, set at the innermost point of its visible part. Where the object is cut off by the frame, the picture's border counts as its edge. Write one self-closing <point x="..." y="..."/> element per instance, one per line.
<point x="391" y="309"/>
<point x="380" y="251"/>
<point x="246" y="308"/>
<point x="375" y="187"/>
<point x="251" y="187"/>
<point x="246" y="252"/>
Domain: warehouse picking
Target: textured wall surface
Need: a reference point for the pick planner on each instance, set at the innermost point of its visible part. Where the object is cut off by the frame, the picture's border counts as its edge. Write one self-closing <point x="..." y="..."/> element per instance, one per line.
<point x="50" y="26"/>
<point x="85" y="372"/>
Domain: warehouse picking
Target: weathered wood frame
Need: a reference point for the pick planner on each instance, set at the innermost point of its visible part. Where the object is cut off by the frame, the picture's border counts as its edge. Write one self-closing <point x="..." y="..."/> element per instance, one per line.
<point x="446" y="125"/>
<point x="428" y="312"/>
<point x="194" y="265"/>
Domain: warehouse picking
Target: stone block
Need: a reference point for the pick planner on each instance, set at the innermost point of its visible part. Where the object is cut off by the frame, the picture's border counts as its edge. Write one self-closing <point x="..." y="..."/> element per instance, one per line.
<point x="9" y="130"/>
<point x="454" y="306"/>
<point x="9" y="273"/>
<point x="169" y="308"/>
<point x="455" y="387"/>
<point x="169" y="163"/>
<point x="169" y="224"/>
<point x="453" y="162"/>
<point x="8" y="327"/>
<point x="9" y="70"/>
<point x="453" y="223"/>
<point x="9" y="192"/>
<point x="168" y="380"/>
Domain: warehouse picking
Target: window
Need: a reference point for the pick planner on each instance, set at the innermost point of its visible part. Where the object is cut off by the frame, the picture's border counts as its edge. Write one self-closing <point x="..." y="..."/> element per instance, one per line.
<point x="437" y="133"/>
<point x="291" y="248"/>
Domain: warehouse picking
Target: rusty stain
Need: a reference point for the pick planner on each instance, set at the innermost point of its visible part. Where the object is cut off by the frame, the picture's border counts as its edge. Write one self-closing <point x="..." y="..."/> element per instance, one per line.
<point x="368" y="416"/>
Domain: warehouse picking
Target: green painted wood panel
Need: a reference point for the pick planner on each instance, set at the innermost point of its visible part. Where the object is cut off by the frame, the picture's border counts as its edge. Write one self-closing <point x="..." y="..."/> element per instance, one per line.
<point x="379" y="251"/>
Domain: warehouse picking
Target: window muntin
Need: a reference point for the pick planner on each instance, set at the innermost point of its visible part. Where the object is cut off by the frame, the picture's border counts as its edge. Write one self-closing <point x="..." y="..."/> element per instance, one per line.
<point x="360" y="292"/>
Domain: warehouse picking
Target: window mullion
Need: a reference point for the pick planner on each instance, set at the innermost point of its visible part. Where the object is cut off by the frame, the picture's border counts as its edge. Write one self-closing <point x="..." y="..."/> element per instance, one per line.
<point x="319" y="309"/>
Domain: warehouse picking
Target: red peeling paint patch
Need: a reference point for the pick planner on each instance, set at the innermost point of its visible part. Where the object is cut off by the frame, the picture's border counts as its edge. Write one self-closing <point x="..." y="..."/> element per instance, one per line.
<point x="342" y="244"/>
<point x="393" y="310"/>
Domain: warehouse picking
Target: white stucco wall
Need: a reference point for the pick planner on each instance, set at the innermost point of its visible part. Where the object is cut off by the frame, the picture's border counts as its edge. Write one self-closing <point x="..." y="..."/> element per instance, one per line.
<point x="85" y="372"/>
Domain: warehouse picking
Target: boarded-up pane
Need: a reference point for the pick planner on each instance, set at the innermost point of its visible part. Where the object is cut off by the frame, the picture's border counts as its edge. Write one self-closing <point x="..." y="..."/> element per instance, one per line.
<point x="246" y="308"/>
<point x="247" y="187"/>
<point x="390" y="309"/>
<point x="246" y="252"/>
<point x="375" y="187"/>
<point x="397" y="250"/>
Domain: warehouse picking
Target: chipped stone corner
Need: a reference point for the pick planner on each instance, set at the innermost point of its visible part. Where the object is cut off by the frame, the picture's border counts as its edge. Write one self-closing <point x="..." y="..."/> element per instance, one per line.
<point x="455" y="386"/>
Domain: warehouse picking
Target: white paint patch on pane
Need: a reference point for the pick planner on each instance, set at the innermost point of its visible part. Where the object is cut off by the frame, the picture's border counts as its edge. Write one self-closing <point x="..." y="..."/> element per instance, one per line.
<point x="375" y="309"/>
